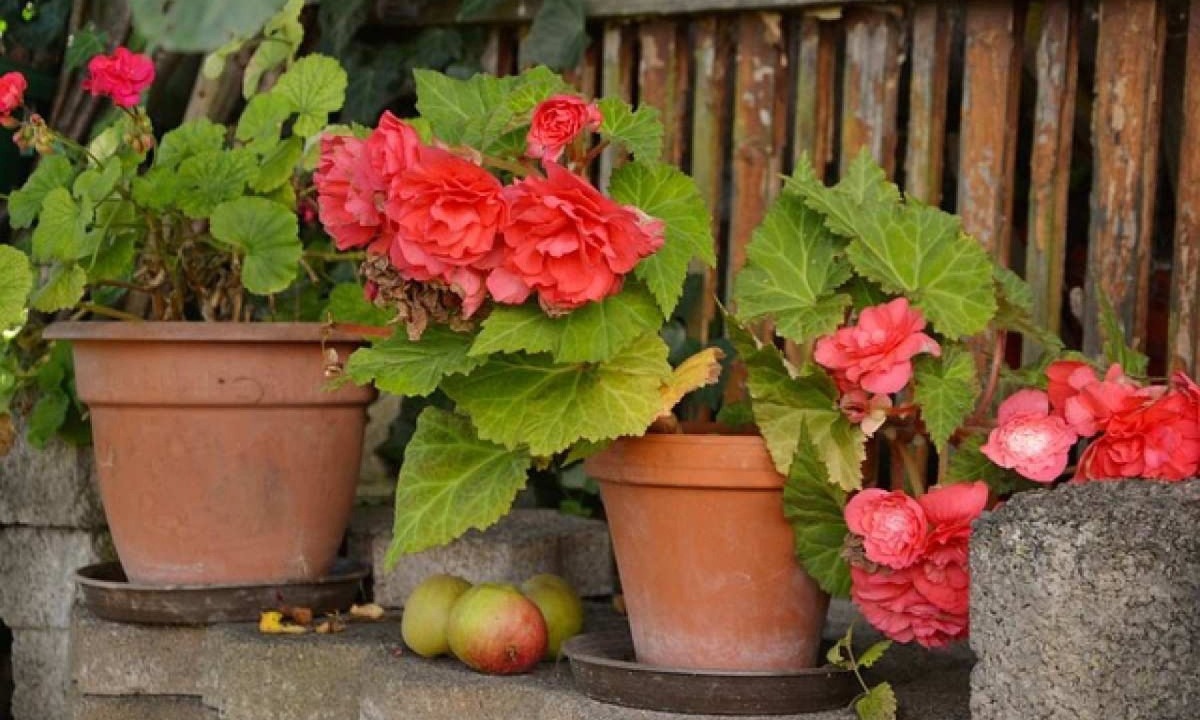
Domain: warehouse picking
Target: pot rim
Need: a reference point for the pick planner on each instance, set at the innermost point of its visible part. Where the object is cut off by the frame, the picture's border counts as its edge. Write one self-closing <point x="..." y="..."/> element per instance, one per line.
<point x="198" y="331"/>
<point x="674" y="467"/>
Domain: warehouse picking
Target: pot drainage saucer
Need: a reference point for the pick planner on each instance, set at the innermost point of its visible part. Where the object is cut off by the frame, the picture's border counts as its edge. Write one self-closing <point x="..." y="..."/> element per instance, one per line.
<point x="109" y="595"/>
<point x="605" y="670"/>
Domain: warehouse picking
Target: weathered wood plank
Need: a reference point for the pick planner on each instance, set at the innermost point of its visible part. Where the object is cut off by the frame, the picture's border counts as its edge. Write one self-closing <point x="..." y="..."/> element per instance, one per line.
<point x="1185" y="287"/>
<point x="1050" y="165"/>
<point x="662" y="81"/>
<point x="442" y="12"/>
<point x="871" y="85"/>
<point x="991" y="96"/>
<point x="930" y="52"/>
<point x="1125" y="120"/>
<point x="814" y="71"/>
<point x="616" y="80"/>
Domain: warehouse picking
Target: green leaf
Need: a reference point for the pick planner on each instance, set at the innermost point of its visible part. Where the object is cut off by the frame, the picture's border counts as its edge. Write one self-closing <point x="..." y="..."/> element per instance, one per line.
<point x="558" y="35"/>
<point x="473" y="9"/>
<point x="1112" y="334"/>
<point x="593" y="333"/>
<point x="413" y="368"/>
<point x="865" y="185"/>
<point x="158" y="189"/>
<point x="113" y="257"/>
<point x="471" y="112"/>
<point x="520" y="400"/>
<point x="969" y="464"/>
<point x="1014" y="311"/>
<point x="16" y="280"/>
<point x="640" y="132"/>
<point x="267" y="233"/>
<point x="340" y="21"/>
<point x="879" y="703"/>
<point x="96" y="184"/>
<point x="279" y="165"/>
<point x="451" y="481"/>
<point x="793" y="268"/>
<point x="863" y="292"/>
<point x="54" y="171"/>
<point x="315" y="86"/>
<point x="62" y="226"/>
<point x="665" y="193"/>
<point x="207" y="180"/>
<point x="83" y="45"/>
<point x="534" y="86"/>
<point x="196" y="137"/>
<point x="947" y="389"/>
<point x="873" y="654"/>
<point x="262" y="122"/>
<point x="813" y="506"/>
<point x="839" y="653"/>
<point x="282" y="36"/>
<point x="347" y="304"/>
<point x="62" y="290"/>
<point x="47" y="416"/>
<point x="200" y="27"/>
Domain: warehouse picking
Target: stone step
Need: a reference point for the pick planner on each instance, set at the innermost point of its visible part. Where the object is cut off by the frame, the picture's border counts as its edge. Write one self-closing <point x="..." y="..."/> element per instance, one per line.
<point x="365" y="673"/>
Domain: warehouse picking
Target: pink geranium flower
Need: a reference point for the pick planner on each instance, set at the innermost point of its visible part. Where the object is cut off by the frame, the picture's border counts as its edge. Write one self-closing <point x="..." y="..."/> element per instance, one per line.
<point x="121" y="76"/>
<point x="876" y="354"/>
<point x="892" y="525"/>
<point x="1029" y="439"/>
<point x="12" y="93"/>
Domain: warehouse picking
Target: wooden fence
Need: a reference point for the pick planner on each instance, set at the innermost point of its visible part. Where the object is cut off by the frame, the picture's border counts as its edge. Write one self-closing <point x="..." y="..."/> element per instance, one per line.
<point x="1066" y="133"/>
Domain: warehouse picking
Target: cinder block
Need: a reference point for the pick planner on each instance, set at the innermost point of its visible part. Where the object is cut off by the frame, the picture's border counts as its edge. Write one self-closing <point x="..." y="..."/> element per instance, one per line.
<point x="141" y="708"/>
<point x="52" y="487"/>
<point x="109" y="658"/>
<point x="40" y="674"/>
<point x="524" y="543"/>
<point x="37" y="565"/>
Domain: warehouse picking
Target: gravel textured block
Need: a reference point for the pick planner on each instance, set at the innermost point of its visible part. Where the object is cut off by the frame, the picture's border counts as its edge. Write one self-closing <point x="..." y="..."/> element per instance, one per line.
<point x="522" y="544"/>
<point x="109" y="658"/>
<point x="54" y="486"/>
<point x="37" y="566"/>
<point x="1085" y="603"/>
<point x="40" y="674"/>
<point x="142" y="708"/>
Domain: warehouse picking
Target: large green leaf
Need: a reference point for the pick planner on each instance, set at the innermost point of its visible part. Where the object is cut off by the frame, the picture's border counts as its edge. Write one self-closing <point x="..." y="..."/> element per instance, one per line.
<point x="405" y="367"/>
<point x="529" y="400"/>
<point x="209" y="179"/>
<point x="593" y="333"/>
<point x="947" y="389"/>
<point x="664" y="192"/>
<point x="262" y="122"/>
<point x="195" y="137"/>
<point x="200" y="27"/>
<point x="61" y="229"/>
<point x="471" y="112"/>
<point x="16" y="280"/>
<point x="54" y="171"/>
<point x="793" y="269"/>
<point x="813" y="505"/>
<point x="865" y="185"/>
<point x="315" y="86"/>
<point x="266" y="233"/>
<point x="62" y="290"/>
<point x="451" y="481"/>
<point x="278" y="166"/>
<point x="347" y="304"/>
<point x="640" y="132"/>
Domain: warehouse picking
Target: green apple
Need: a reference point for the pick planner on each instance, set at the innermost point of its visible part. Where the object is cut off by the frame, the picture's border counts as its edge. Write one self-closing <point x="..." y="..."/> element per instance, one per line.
<point x="561" y="607"/>
<point x="426" y="613"/>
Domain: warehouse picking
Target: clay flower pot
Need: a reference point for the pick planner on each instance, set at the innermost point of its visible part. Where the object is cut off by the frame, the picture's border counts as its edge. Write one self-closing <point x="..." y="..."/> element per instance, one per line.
<point x="221" y="456"/>
<point x="705" y="555"/>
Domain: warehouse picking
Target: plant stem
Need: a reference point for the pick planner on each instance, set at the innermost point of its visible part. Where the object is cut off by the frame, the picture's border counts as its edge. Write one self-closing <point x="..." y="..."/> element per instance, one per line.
<point x="109" y="312"/>
<point x="513" y="167"/>
<point x="989" y="392"/>
<point x="335" y="256"/>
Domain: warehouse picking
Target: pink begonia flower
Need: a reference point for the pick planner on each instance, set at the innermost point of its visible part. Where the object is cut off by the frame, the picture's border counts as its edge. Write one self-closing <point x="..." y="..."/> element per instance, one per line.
<point x="1029" y="439"/>
<point x="1089" y="410"/>
<point x="12" y="93"/>
<point x="556" y="122"/>
<point x="950" y="510"/>
<point x="892" y="525"/>
<point x="893" y="603"/>
<point x="121" y="76"/>
<point x="1065" y="379"/>
<point x="869" y="413"/>
<point x="1157" y="440"/>
<point x="876" y="354"/>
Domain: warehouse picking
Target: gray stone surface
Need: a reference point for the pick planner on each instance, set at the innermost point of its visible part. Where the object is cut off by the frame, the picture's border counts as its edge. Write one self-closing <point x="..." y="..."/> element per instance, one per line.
<point x="50" y="487"/>
<point x="141" y="708"/>
<point x="524" y="543"/>
<point x="40" y="674"/>
<point x="1085" y="603"/>
<point x="250" y="676"/>
<point x="36" y="567"/>
<point x="110" y="658"/>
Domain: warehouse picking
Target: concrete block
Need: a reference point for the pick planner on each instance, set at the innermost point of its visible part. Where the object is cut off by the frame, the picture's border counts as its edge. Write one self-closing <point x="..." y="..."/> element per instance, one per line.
<point x="522" y="544"/>
<point x="40" y="675"/>
<point x="141" y="708"/>
<point x="251" y="676"/>
<point x="1084" y="604"/>
<point x="53" y="487"/>
<point x="37" y="565"/>
<point x="109" y="658"/>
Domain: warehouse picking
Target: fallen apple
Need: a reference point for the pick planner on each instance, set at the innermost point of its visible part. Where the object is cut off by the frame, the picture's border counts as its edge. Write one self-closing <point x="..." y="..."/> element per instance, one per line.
<point x="496" y="630"/>
<point x="560" y="606"/>
<point x="426" y="611"/>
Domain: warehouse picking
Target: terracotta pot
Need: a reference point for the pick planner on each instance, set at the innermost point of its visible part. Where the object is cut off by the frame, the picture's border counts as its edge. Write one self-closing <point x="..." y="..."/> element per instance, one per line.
<point x="221" y="456"/>
<point x="705" y="556"/>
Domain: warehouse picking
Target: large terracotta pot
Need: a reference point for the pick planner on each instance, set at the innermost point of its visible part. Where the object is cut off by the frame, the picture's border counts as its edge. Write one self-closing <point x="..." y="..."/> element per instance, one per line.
<point x="221" y="456"/>
<point x="705" y="556"/>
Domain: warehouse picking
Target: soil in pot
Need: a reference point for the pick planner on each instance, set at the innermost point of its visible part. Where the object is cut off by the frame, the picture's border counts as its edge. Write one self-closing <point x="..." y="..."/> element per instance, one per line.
<point x="221" y="455"/>
<point x="705" y="556"/>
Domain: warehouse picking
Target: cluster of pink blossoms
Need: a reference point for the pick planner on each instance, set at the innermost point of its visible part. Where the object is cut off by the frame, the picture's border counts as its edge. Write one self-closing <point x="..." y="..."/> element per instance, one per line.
<point x="1138" y="431"/>
<point x="440" y="217"/>
<point x="912" y="582"/>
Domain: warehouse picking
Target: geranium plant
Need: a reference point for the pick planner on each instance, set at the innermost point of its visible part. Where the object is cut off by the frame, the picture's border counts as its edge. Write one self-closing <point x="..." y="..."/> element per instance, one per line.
<point x="528" y="297"/>
<point x="200" y="224"/>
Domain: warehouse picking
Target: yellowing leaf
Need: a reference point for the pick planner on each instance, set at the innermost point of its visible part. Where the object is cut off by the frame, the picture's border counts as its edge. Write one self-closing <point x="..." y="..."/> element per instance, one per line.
<point x="271" y="623"/>
<point x="370" y="611"/>
<point x="703" y="368"/>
